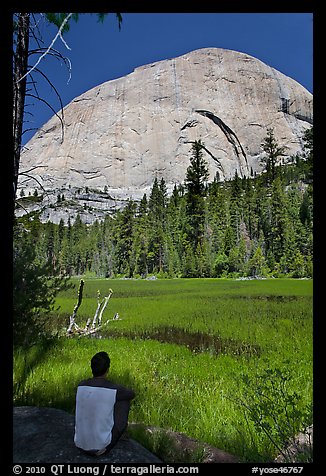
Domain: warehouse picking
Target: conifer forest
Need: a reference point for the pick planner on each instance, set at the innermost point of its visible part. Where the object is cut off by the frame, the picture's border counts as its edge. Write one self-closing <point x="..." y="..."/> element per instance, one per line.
<point x="255" y="226"/>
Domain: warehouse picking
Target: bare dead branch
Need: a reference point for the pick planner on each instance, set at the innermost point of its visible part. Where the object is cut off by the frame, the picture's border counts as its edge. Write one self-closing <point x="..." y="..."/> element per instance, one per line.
<point x="31" y="169"/>
<point x="30" y="177"/>
<point x="58" y="35"/>
<point x="18" y="204"/>
<point x="97" y="320"/>
<point x="79" y="301"/>
<point x="55" y="113"/>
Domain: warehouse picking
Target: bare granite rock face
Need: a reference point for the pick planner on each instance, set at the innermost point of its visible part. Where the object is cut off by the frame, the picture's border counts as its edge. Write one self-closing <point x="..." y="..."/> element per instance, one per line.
<point x="46" y="435"/>
<point x="121" y="134"/>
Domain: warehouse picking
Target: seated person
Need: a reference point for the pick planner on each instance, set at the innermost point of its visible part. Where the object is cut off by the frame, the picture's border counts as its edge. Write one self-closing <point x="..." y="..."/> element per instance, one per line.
<point x="102" y="409"/>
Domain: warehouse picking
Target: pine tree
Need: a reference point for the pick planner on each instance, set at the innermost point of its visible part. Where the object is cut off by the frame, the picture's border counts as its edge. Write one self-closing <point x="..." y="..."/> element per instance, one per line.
<point x="197" y="173"/>
<point x="257" y="263"/>
<point x="188" y="261"/>
<point x="123" y="240"/>
<point x="306" y="209"/>
<point x="34" y="292"/>
<point x="309" y="148"/>
<point x="273" y="153"/>
<point x="50" y="248"/>
<point x="61" y="230"/>
<point x="141" y="238"/>
<point x="217" y="216"/>
<point x="78" y="233"/>
<point x="279" y="222"/>
<point x="236" y="206"/>
<point x="157" y="219"/>
<point x="196" y="178"/>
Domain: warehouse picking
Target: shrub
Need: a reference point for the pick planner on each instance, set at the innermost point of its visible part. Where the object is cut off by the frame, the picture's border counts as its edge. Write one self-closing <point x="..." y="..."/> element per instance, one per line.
<point x="274" y="410"/>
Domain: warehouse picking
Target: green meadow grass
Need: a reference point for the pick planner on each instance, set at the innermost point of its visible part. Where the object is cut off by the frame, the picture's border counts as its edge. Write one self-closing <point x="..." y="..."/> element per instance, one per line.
<point x="194" y="391"/>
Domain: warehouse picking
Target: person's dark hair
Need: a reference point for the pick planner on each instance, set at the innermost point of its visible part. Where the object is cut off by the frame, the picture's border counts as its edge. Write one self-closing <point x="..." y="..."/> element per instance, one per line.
<point x="100" y="363"/>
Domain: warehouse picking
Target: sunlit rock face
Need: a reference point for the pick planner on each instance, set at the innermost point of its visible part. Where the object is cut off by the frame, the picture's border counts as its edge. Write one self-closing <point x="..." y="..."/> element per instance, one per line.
<point x="122" y="134"/>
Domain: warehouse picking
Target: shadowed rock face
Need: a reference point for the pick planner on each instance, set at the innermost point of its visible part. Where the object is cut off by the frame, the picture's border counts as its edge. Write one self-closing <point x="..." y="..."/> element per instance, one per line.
<point x="46" y="435"/>
<point x="122" y="133"/>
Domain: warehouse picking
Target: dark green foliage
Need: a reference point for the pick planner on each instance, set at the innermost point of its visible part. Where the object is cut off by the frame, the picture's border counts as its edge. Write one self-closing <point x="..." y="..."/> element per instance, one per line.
<point x="124" y="239"/>
<point x="273" y="155"/>
<point x="195" y="183"/>
<point x="34" y="289"/>
<point x="197" y="172"/>
<point x="275" y="410"/>
<point x="58" y="18"/>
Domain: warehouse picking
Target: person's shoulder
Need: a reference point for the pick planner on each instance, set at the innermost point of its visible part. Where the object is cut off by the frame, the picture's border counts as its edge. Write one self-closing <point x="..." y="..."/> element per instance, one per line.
<point x="83" y="382"/>
<point x="100" y="382"/>
<point x="104" y="383"/>
<point x="118" y="387"/>
<point x="123" y="393"/>
<point x="114" y="386"/>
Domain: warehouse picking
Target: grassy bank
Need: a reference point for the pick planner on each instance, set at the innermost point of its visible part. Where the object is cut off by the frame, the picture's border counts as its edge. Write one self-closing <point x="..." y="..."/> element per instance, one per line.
<point x="195" y="351"/>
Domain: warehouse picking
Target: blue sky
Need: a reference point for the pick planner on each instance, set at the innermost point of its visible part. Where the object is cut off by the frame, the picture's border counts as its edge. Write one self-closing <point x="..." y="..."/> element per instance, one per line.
<point x="100" y="52"/>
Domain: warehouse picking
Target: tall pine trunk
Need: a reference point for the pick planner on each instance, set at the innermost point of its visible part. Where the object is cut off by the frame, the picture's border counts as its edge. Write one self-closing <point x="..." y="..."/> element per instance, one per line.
<point x="19" y="90"/>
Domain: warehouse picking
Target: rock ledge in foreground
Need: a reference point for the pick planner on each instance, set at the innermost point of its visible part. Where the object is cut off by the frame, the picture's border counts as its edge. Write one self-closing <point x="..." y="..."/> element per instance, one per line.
<point x="46" y="435"/>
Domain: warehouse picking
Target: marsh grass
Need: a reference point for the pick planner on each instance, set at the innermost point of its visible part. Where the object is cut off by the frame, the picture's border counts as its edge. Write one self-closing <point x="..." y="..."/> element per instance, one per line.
<point x="164" y="347"/>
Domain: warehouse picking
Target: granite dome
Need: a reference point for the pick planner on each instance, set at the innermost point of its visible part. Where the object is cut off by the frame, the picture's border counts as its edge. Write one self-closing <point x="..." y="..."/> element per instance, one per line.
<point x="120" y="134"/>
